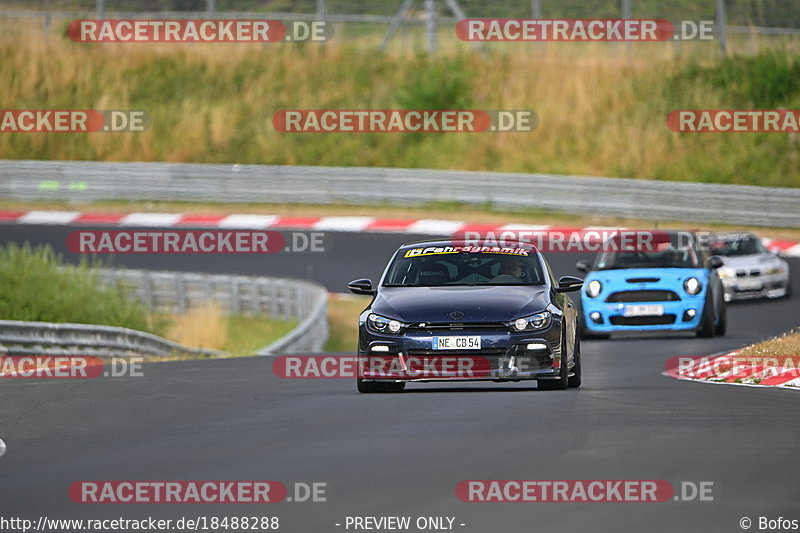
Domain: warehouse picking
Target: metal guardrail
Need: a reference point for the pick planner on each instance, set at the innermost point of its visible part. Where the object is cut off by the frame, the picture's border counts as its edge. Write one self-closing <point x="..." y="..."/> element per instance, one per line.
<point x="280" y="298"/>
<point x="305" y="301"/>
<point x="619" y="197"/>
<point x="45" y="338"/>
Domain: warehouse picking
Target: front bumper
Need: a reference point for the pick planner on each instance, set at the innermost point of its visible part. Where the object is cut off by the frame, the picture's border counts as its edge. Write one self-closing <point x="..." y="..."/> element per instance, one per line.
<point x="503" y="356"/>
<point x="606" y="317"/>
<point x="752" y="287"/>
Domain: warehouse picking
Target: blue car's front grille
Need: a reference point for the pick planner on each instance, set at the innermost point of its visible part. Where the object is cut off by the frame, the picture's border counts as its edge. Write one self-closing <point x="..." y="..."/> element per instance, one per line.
<point x="643" y="296"/>
<point x="661" y="320"/>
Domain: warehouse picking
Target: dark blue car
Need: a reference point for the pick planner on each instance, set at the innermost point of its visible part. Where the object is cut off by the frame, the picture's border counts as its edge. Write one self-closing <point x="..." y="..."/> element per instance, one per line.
<point x="449" y="311"/>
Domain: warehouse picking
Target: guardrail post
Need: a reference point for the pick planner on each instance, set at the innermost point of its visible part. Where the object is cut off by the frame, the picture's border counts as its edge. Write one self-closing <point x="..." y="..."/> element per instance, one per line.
<point x="180" y="293"/>
<point x="430" y="24"/>
<point x="236" y="303"/>
<point x="722" y="22"/>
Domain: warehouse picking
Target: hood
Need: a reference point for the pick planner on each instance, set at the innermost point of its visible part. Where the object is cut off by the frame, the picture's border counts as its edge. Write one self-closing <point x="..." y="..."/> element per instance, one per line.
<point x="645" y="277"/>
<point x="478" y="304"/>
<point x="750" y="261"/>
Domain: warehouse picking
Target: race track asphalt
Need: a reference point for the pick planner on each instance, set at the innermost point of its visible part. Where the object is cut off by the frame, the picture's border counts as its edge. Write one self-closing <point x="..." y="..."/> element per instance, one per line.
<point x="403" y="454"/>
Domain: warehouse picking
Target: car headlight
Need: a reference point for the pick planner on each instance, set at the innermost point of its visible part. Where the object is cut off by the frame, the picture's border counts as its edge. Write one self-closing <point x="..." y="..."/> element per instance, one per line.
<point x="533" y="322"/>
<point x="593" y="288"/>
<point x="776" y="269"/>
<point x="724" y="273"/>
<point x="692" y="286"/>
<point x="383" y="325"/>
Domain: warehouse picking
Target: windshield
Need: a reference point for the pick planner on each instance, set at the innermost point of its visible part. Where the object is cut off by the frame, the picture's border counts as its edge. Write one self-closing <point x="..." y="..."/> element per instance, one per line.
<point x="671" y="253"/>
<point x="448" y="266"/>
<point x="749" y="245"/>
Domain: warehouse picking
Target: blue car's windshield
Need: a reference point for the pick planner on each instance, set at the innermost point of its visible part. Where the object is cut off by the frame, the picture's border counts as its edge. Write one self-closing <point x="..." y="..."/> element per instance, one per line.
<point x="448" y="265"/>
<point x="669" y="253"/>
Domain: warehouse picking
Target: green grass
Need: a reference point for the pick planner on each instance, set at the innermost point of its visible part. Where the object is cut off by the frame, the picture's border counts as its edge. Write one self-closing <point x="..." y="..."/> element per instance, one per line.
<point x="600" y="112"/>
<point x="35" y="285"/>
<point x="246" y="334"/>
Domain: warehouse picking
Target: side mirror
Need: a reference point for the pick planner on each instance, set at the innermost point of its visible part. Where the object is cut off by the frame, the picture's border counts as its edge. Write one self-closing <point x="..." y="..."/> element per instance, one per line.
<point x="715" y="262"/>
<point x="569" y="284"/>
<point x="583" y="266"/>
<point x="361" y="286"/>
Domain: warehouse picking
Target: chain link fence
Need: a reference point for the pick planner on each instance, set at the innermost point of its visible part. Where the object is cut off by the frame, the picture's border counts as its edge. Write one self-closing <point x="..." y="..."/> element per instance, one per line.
<point x="432" y="19"/>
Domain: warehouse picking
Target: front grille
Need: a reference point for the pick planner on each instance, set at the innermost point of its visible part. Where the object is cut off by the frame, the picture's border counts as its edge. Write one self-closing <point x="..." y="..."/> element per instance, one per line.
<point x="748" y="291"/>
<point x="643" y="320"/>
<point x="743" y="273"/>
<point x="484" y="362"/>
<point x="643" y="296"/>
<point x="643" y="280"/>
<point x="440" y="328"/>
<point x="493" y="352"/>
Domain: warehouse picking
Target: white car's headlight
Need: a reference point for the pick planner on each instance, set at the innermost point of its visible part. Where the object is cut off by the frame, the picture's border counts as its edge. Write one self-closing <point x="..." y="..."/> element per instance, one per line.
<point x="776" y="269"/>
<point x="692" y="286"/>
<point x="533" y="322"/>
<point x="593" y="288"/>
<point x="725" y="273"/>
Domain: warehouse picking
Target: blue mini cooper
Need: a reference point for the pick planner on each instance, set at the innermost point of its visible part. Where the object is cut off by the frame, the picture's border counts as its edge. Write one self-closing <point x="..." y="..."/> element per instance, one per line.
<point x="673" y="286"/>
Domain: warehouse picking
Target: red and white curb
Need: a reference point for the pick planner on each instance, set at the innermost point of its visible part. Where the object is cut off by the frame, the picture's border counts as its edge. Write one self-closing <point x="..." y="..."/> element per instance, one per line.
<point x="730" y="370"/>
<point x="426" y="226"/>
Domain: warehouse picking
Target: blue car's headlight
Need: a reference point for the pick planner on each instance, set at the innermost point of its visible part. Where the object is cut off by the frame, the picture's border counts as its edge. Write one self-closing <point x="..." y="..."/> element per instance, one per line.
<point x="692" y="286"/>
<point x="593" y="288"/>
<point x="533" y="322"/>
<point x="381" y="324"/>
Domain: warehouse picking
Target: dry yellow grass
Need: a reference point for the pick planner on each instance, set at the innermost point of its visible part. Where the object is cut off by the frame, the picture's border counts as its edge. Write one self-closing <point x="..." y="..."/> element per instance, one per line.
<point x="787" y="346"/>
<point x="203" y="326"/>
<point x="208" y="326"/>
<point x="343" y="314"/>
<point x="601" y="112"/>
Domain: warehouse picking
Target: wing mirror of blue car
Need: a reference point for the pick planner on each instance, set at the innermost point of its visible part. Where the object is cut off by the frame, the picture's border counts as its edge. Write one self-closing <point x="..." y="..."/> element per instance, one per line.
<point x="569" y="284"/>
<point x="715" y="261"/>
<point x="583" y="266"/>
<point x="361" y="286"/>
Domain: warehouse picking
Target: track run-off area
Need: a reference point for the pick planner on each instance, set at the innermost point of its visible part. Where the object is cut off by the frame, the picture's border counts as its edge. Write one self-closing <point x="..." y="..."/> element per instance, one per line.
<point x="404" y="454"/>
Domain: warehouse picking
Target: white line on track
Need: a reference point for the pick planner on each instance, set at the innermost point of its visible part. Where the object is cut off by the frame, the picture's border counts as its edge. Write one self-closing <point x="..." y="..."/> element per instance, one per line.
<point x="2" y="447"/>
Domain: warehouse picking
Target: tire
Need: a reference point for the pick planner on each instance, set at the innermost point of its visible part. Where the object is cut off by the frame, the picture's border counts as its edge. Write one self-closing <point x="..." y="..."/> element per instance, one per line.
<point x="370" y="387"/>
<point x="722" y="325"/>
<point x="707" y="325"/>
<point x="573" y="382"/>
<point x="563" y="375"/>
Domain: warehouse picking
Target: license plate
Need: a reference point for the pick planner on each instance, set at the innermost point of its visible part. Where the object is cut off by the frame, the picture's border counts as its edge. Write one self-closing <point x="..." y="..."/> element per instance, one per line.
<point x="644" y="310"/>
<point x="750" y="285"/>
<point x="472" y="342"/>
